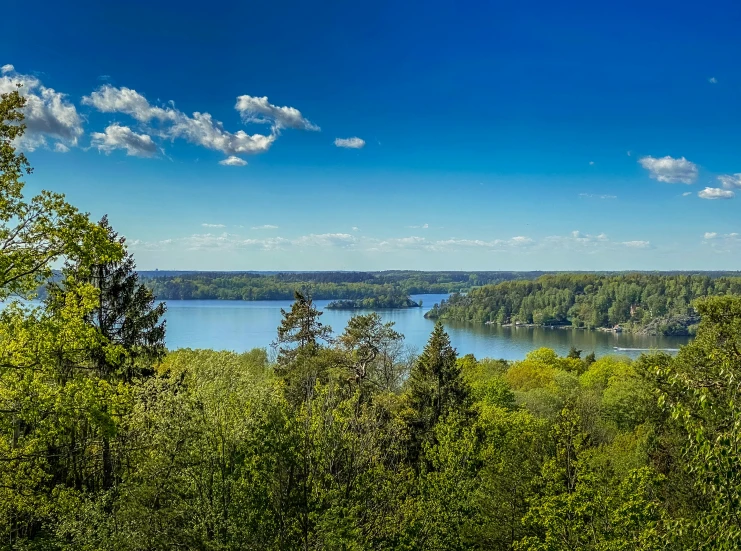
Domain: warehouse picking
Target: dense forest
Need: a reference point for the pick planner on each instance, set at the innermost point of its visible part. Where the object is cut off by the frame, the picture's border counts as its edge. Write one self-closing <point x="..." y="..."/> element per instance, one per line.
<point x="648" y="303"/>
<point x="339" y="440"/>
<point x="320" y="285"/>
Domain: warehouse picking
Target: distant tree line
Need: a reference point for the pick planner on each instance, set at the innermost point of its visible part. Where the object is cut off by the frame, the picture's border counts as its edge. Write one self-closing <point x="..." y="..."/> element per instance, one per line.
<point x="652" y="303"/>
<point x="320" y="285"/>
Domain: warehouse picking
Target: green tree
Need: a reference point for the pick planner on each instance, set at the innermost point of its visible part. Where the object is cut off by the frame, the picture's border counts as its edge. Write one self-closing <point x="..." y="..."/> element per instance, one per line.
<point x="436" y="384"/>
<point x="700" y="390"/>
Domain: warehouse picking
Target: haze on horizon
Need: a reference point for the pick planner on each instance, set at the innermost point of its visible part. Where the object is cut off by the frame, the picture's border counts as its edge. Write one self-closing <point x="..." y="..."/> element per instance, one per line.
<point x="380" y="136"/>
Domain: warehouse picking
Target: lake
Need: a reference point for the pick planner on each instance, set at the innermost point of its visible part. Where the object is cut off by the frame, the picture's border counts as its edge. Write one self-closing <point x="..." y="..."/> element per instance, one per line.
<point x="242" y="325"/>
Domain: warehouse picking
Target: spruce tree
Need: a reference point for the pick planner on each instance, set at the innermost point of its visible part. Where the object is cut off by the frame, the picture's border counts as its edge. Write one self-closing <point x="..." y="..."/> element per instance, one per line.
<point x="125" y="315"/>
<point x="436" y="383"/>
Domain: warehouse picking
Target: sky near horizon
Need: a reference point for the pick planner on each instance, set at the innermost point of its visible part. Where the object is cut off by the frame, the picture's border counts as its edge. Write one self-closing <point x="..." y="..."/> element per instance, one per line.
<point x="391" y="135"/>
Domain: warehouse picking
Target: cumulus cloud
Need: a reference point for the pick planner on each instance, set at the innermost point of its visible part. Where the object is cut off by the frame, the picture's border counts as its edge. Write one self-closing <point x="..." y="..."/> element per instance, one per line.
<point x="260" y="110"/>
<point x="670" y="170"/>
<point x="206" y="225"/>
<point x="355" y="228"/>
<point x="730" y="181"/>
<point x="265" y="227"/>
<point x="59" y="147"/>
<point x="201" y="129"/>
<point x="233" y="161"/>
<point x="711" y="235"/>
<point x="350" y="143"/>
<point x="715" y="193"/>
<point x="122" y="137"/>
<point x="49" y="117"/>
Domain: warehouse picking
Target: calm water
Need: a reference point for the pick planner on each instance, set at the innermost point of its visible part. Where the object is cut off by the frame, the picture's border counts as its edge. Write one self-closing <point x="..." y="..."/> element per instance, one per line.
<point x="241" y="325"/>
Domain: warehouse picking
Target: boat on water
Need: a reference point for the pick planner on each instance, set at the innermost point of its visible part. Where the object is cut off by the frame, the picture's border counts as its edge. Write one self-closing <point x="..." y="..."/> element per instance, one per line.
<point x="645" y="349"/>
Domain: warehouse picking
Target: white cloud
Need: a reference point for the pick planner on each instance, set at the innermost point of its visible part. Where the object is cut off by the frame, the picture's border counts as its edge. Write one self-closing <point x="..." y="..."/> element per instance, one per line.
<point x="265" y="227"/>
<point x="722" y="243"/>
<point x="686" y="194"/>
<point x="595" y="196"/>
<point x="713" y="80"/>
<point x="421" y="227"/>
<point x="259" y="110"/>
<point x="200" y="128"/>
<point x="350" y="143"/>
<point x="110" y="99"/>
<point x="670" y="170"/>
<point x="48" y="114"/>
<point x="591" y="163"/>
<point x="206" y="225"/>
<point x="637" y="244"/>
<point x="122" y="137"/>
<point x="343" y="240"/>
<point x="730" y="181"/>
<point x="589" y="243"/>
<point x="715" y="193"/>
<point x="576" y="241"/>
<point x="452" y="244"/>
<point x="629" y="153"/>
<point x="233" y="161"/>
<point x="355" y="228"/>
<point x="59" y="147"/>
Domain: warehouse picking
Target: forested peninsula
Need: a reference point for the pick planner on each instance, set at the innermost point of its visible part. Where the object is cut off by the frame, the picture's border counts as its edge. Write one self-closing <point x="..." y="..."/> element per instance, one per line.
<point x="653" y="304"/>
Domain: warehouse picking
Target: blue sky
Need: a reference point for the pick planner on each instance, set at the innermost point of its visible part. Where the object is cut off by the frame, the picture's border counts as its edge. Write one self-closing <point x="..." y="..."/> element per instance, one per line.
<point x="384" y="135"/>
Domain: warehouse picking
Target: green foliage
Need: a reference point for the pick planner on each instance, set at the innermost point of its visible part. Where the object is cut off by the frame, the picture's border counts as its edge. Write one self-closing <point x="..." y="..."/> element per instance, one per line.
<point x="649" y="303"/>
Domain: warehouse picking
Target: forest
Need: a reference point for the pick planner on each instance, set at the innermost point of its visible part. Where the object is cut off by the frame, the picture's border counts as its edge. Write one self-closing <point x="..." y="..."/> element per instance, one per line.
<point x="320" y="285"/>
<point x="334" y="438"/>
<point x="657" y="304"/>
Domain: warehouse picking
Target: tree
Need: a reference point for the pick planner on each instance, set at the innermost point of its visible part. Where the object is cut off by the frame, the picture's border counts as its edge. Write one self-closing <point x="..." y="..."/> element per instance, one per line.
<point x="364" y="339"/>
<point x="299" y="344"/>
<point x="125" y="313"/>
<point x="699" y="388"/>
<point x="300" y="330"/>
<point x="436" y="383"/>
<point x="34" y="232"/>
<point x="574" y="353"/>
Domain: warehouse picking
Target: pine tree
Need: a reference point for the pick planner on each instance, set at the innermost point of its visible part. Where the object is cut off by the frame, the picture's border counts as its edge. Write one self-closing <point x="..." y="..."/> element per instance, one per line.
<point x="299" y="344"/>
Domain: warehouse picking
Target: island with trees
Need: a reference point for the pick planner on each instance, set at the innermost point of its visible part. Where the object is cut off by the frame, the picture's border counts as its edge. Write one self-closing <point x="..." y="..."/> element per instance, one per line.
<point x="655" y="304"/>
<point x="374" y="303"/>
